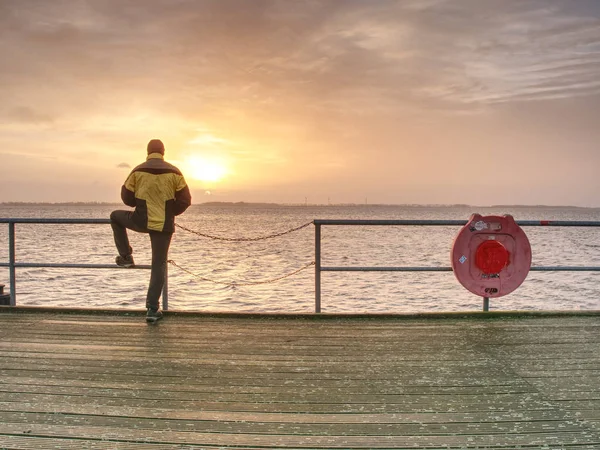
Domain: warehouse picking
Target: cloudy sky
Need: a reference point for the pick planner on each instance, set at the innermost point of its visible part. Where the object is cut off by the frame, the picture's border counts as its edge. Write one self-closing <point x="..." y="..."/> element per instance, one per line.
<point x="410" y="101"/>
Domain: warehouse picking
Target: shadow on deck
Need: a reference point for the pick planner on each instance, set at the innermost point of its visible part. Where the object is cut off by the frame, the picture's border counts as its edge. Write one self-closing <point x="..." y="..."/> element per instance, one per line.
<point x="109" y="381"/>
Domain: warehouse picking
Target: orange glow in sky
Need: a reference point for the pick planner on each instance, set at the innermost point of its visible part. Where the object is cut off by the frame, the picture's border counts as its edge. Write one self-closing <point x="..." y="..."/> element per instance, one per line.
<point x="403" y="102"/>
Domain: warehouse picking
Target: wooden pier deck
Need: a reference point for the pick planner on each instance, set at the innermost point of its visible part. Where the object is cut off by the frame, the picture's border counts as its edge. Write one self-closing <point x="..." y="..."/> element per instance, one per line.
<point x="109" y="381"/>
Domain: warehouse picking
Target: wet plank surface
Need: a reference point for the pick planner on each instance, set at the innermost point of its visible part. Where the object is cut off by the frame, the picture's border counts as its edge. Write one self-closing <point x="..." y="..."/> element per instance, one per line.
<point x="111" y="381"/>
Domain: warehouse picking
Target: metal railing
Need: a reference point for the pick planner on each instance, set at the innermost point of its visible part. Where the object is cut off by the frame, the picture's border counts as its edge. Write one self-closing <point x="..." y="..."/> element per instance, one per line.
<point x="333" y="222"/>
<point x="318" y="223"/>
<point x="13" y="265"/>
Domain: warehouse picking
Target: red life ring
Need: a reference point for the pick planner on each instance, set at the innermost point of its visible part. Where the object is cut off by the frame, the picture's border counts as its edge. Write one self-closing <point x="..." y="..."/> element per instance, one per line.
<point x="491" y="255"/>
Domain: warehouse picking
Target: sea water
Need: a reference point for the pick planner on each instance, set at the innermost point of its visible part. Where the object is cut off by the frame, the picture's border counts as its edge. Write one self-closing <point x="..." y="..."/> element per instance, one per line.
<point x="216" y="270"/>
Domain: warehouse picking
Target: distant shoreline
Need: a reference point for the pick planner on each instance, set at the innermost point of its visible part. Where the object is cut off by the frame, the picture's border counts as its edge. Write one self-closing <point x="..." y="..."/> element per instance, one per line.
<point x="303" y="205"/>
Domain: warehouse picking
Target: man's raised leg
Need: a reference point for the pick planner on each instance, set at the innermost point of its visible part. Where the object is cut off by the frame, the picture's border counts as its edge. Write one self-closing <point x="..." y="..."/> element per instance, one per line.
<point x="119" y="221"/>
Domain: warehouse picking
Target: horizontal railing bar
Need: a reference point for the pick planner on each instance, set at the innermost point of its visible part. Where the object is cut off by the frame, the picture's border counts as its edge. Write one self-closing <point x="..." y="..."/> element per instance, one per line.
<point x="449" y="269"/>
<point x="323" y="269"/>
<point x="386" y="269"/>
<point x="539" y="223"/>
<point x="558" y="223"/>
<point x="74" y="266"/>
<point x="566" y="269"/>
<point x="63" y="221"/>
<point x="387" y="222"/>
<point x="545" y="223"/>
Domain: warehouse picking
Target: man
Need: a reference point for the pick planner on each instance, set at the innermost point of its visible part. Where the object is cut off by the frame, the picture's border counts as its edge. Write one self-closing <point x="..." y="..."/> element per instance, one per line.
<point x="158" y="192"/>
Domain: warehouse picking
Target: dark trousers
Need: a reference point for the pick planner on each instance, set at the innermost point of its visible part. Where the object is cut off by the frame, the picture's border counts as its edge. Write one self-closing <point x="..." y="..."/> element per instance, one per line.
<point x="160" y="242"/>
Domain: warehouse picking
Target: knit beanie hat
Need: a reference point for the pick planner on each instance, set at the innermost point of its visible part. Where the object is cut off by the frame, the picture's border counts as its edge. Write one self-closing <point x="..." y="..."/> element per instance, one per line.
<point x="156" y="146"/>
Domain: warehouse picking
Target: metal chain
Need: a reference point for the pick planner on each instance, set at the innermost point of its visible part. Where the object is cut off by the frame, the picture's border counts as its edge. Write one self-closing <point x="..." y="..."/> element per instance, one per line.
<point x="243" y="239"/>
<point x="245" y="283"/>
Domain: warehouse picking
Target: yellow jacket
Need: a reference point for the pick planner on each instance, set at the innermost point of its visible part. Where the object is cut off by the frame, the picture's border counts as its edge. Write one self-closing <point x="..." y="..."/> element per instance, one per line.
<point x="158" y="192"/>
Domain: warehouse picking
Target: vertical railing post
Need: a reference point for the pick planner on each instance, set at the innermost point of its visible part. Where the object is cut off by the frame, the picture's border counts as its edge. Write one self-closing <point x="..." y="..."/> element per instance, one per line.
<point x="165" y="293"/>
<point x="11" y="263"/>
<point x="317" y="268"/>
<point x="486" y="304"/>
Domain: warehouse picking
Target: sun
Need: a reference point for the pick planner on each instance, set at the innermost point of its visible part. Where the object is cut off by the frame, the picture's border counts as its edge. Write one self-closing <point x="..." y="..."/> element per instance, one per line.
<point x="205" y="169"/>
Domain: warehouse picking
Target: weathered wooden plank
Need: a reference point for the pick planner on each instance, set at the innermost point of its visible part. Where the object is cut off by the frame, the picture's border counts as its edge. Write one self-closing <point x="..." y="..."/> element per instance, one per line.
<point x="87" y="386"/>
<point x="312" y="441"/>
<point x="588" y="383"/>
<point x="232" y="363"/>
<point x="31" y="372"/>
<point x="559" y="372"/>
<point x="404" y="405"/>
<point x="572" y="395"/>
<point x="586" y="414"/>
<point x="253" y="393"/>
<point x="531" y="400"/>
<point x="26" y="442"/>
<point x="257" y="416"/>
<point x="275" y="352"/>
<point x="289" y="428"/>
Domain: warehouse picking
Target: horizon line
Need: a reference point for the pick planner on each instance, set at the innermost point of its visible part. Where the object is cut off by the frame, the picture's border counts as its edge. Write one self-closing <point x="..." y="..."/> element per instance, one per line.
<point x="295" y="204"/>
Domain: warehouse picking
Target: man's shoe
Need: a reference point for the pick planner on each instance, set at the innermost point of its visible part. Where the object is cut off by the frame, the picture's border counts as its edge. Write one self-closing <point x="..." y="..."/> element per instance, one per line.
<point x="153" y="315"/>
<point x="125" y="261"/>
